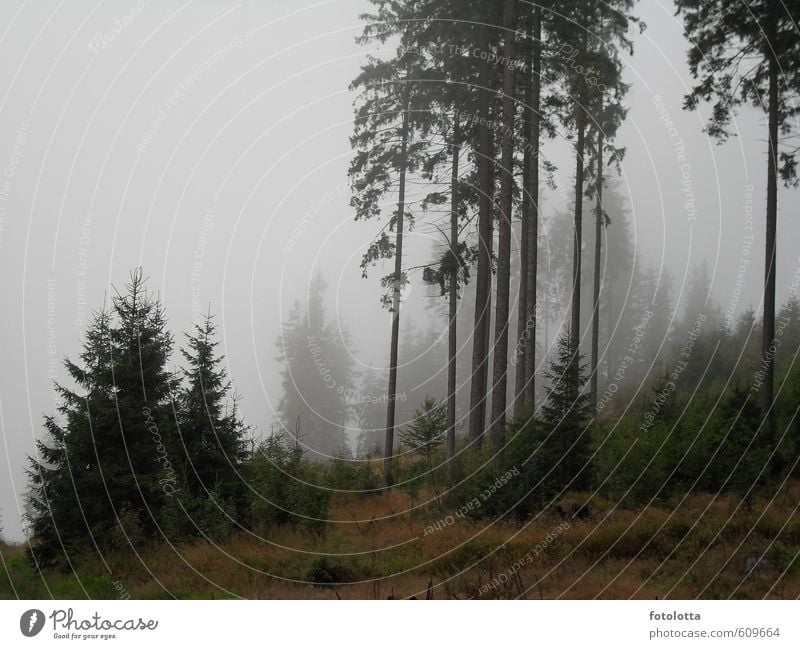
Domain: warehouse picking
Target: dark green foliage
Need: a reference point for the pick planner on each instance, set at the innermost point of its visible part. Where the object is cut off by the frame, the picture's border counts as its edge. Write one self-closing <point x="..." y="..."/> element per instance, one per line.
<point x="107" y="468"/>
<point x="211" y="515"/>
<point x="731" y="47"/>
<point x="132" y="456"/>
<point x="543" y="458"/>
<point x="351" y="475"/>
<point x="566" y="415"/>
<point x="287" y="489"/>
<point x="716" y="447"/>
<point x="211" y="431"/>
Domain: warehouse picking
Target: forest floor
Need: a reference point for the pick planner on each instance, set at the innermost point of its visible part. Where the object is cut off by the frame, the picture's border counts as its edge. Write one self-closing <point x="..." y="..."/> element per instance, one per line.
<point x="701" y="546"/>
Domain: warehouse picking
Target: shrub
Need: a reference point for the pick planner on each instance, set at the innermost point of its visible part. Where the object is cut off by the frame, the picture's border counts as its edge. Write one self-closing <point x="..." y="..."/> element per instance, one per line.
<point x="287" y="487"/>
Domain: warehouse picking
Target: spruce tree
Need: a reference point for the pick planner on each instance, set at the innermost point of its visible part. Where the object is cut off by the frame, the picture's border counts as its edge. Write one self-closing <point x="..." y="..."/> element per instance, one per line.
<point x="566" y="415"/>
<point x="102" y="476"/>
<point x="211" y="431"/>
<point x="426" y="432"/>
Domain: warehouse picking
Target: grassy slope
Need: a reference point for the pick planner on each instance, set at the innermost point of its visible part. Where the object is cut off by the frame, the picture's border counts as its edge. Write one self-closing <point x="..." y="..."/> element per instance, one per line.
<point x="700" y="547"/>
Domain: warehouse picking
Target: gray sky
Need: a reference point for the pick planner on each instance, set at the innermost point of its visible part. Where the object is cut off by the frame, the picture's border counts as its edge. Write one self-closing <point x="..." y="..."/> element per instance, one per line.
<point x="208" y="142"/>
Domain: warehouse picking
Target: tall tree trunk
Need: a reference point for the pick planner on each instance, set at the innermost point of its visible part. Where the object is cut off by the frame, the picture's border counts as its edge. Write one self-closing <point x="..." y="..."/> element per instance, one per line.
<point x="768" y="331"/>
<point x="598" y="231"/>
<point x="575" y="322"/>
<point x="388" y="447"/>
<point x="452" y="339"/>
<point x="488" y="329"/>
<point x="477" y="397"/>
<point x="523" y="324"/>
<point x="533" y="220"/>
<point x="500" y="373"/>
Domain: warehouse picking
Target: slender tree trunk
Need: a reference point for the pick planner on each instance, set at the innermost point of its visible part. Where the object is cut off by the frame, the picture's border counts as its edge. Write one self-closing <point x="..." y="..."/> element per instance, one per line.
<point x="488" y="329"/>
<point x="388" y="447"/>
<point x="575" y="322"/>
<point x="500" y="370"/>
<point x="483" y="275"/>
<point x="452" y="339"/>
<point x="533" y="220"/>
<point x="768" y="331"/>
<point x="598" y="231"/>
<point x="523" y="324"/>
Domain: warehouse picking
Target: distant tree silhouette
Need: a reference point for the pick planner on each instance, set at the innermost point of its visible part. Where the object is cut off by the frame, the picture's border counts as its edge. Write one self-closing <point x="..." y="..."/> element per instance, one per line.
<point x="316" y="376"/>
<point x="369" y="405"/>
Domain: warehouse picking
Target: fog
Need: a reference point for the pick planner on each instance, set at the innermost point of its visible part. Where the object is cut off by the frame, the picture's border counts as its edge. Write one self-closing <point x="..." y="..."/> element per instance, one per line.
<point x="207" y="142"/>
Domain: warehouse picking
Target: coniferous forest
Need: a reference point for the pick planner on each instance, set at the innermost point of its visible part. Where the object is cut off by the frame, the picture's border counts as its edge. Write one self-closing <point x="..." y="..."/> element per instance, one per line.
<point x="536" y="402"/>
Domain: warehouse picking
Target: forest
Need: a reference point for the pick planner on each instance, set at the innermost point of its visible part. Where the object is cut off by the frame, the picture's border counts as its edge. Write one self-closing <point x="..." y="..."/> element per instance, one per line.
<point x="567" y="420"/>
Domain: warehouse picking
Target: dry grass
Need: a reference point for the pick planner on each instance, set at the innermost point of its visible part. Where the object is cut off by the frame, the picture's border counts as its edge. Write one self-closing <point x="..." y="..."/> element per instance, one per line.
<point x="702" y="546"/>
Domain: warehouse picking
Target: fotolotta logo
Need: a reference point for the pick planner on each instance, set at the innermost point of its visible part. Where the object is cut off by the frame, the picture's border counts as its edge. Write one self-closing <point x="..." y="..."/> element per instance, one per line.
<point x="31" y="622"/>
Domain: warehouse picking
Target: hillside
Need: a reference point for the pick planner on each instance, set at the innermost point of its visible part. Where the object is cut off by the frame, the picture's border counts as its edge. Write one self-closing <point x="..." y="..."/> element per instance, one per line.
<point x="700" y="546"/>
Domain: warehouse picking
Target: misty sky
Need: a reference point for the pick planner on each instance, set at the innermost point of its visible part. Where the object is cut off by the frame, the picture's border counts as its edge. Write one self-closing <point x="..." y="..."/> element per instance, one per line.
<point x="207" y="141"/>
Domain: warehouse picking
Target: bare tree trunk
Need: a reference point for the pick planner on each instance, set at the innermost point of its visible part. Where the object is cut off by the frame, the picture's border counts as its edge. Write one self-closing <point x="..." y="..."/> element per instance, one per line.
<point x="533" y="220"/>
<point x="575" y="322"/>
<point x="768" y="331"/>
<point x="452" y="333"/>
<point x="388" y="447"/>
<point x="523" y="323"/>
<point x="477" y="397"/>
<point x="488" y="330"/>
<point x="500" y="373"/>
<point x="598" y="231"/>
